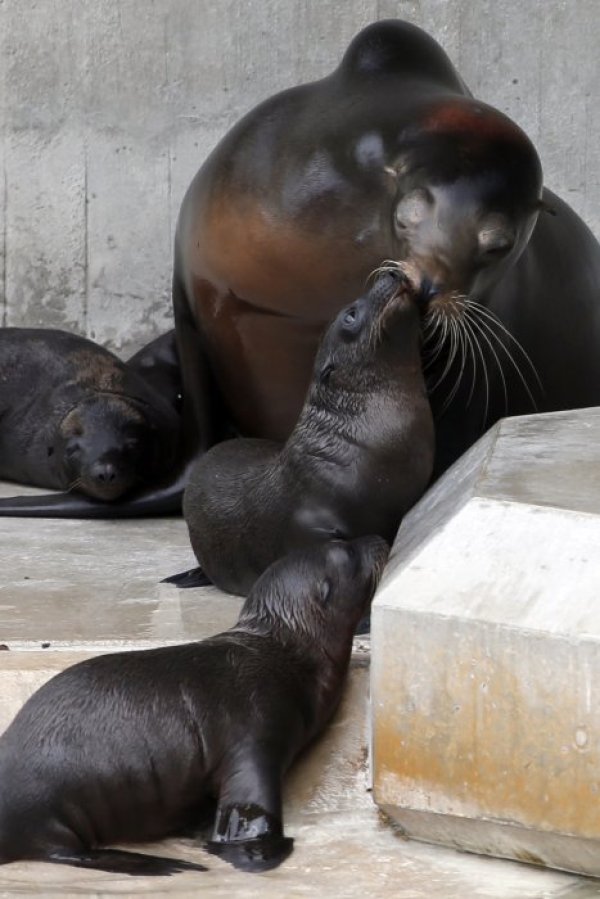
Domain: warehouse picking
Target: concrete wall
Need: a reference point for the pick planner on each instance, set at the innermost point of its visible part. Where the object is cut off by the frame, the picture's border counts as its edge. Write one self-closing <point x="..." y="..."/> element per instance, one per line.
<point x="108" y="107"/>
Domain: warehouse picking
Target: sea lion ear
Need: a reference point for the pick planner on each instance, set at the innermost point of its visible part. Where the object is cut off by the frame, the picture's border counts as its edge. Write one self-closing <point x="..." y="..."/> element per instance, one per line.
<point x="325" y="590"/>
<point x="542" y="206"/>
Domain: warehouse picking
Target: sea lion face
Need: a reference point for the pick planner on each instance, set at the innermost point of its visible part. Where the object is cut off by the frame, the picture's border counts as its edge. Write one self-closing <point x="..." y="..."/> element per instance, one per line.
<point x="381" y="326"/>
<point x="468" y="184"/>
<point x="108" y="446"/>
<point x="319" y="593"/>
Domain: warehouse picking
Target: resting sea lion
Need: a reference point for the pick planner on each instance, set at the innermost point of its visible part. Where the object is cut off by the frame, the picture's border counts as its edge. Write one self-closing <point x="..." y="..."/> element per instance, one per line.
<point x="387" y="158"/>
<point x="359" y="457"/>
<point x="73" y="416"/>
<point x="127" y="747"/>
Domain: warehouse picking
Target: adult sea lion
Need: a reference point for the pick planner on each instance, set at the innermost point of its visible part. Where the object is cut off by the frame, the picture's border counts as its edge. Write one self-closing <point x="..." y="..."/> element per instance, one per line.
<point x="128" y="747"/>
<point x="388" y="158"/>
<point x="73" y="415"/>
<point x="360" y="456"/>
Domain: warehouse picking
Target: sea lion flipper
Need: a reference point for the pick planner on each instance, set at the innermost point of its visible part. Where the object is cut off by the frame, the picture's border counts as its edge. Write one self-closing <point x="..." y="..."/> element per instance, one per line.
<point x="118" y="861"/>
<point x="248" y="831"/>
<point x="258" y="854"/>
<point x="165" y="501"/>
<point x="195" y="577"/>
<point x="249" y="837"/>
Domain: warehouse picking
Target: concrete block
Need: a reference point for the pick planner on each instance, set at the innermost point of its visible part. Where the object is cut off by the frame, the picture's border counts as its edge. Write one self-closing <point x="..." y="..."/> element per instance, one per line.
<point x="486" y="650"/>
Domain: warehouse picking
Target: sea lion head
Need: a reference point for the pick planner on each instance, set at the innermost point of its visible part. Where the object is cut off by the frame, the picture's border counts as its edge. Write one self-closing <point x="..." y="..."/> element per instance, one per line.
<point x="372" y="341"/>
<point x="110" y="443"/>
<point x="466" y="184"/>
<point x="315" y="596"/>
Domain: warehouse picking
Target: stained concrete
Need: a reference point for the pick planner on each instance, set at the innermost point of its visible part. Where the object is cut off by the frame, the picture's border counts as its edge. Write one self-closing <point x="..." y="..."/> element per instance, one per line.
<point x="88" y="587"/>
<point x="486" y="650"/>
<point x="108" y="109"/>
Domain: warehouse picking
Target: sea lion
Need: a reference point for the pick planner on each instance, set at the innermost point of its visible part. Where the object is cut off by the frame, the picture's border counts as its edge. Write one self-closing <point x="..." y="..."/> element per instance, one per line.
<point x="359" y="457"/>
<point x="73" y="416"/>
<point x="127" y="747"/>
<point x="387" y="158"/>
<point x="158" y="364"/>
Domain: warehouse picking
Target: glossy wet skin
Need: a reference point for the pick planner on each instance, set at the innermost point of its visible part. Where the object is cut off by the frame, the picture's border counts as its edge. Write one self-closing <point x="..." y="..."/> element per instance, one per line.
<point x="128" y="747"/>
<point x="360" y="455"/>
<point x="424" y="177"/>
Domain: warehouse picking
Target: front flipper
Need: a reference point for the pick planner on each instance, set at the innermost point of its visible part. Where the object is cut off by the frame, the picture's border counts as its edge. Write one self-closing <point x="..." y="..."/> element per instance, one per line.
<point x="119" y="861"/>
<point x="249" y="838"/>
<point x="248" y="830"/>
<point x="195" y="577"/>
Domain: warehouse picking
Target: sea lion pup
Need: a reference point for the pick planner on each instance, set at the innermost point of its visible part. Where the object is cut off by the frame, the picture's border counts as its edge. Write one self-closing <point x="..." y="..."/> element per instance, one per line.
<point x="74" y="416"/>
<point x="360" y="456"/>
<point x="128" y="747"/>
<point x="158" y="363"/>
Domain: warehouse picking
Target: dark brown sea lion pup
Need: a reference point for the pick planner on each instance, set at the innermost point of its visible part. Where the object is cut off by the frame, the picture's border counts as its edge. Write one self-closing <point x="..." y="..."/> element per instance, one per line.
<point x="388" y="157"/>
<point x="128" y="747"/>
<point x="360" y="456"/>
<point x="72" y="415"/>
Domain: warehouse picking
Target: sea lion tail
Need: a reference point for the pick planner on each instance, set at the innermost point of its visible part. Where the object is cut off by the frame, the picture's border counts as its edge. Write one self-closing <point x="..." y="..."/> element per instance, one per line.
<point x="118" y="861"/>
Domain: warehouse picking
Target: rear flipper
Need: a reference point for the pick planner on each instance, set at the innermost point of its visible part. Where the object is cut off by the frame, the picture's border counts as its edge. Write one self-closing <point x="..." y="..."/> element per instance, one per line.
<point x="72" y="505"/>
<point x="118" y="861"/>
<point x="195" y="577"/>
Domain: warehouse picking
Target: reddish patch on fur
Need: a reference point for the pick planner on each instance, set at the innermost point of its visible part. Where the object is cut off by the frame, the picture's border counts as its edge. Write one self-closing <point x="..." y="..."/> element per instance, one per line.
<point x="472" y="119"/>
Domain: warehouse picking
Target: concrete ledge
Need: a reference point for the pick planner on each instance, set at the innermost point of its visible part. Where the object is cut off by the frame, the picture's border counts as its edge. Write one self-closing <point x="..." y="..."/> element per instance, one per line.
<point x="486" y="651"/>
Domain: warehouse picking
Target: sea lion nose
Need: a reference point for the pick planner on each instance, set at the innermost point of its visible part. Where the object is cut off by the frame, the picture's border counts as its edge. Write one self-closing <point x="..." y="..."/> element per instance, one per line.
<point x="103" y="472"/>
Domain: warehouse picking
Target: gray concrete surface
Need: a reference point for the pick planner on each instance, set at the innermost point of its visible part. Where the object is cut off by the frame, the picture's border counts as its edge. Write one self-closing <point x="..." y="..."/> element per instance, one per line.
<point x="81" y="588"/>
<point x="107" y="110"/>
<point x="486" y="650"/>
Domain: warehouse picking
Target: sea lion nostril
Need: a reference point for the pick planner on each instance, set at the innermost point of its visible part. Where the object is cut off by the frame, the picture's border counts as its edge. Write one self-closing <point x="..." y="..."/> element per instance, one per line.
<point x="104" y="473"/>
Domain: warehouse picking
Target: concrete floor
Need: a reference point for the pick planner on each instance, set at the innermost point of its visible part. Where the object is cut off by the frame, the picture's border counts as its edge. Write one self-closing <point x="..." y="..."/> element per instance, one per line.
<point x="71" y="589"/>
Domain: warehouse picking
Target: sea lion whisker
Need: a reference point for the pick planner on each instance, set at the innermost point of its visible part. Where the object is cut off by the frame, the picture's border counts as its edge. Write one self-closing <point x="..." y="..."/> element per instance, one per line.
<point x="388" y="266"/>
<point x="469" y="339"/>
<point x="435" y="351"/>
<point x="477" y="346"/>
<point x="487" y="313"/>
<point x="448" y="331"/>
<point x="457" y="324"/>
<point x="484" y="324"/>
<point x="479" y="325"/>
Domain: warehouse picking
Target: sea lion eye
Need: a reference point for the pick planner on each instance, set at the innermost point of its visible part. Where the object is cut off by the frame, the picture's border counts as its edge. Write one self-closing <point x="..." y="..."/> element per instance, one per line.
<point x="496" y="239"/>
<point x="350" y="316"/>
